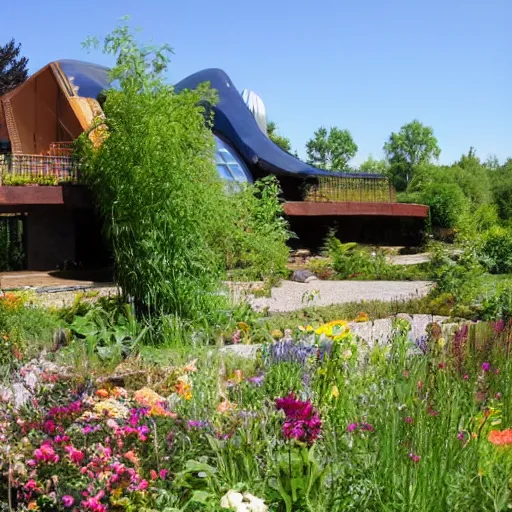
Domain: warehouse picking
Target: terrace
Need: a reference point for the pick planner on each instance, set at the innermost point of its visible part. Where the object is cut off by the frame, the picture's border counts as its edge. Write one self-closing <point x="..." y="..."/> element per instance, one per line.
<point x="310" y="196"/>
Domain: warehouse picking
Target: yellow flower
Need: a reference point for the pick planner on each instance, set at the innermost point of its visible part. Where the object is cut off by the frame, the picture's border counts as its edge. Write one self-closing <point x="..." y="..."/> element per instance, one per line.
<point x="243" y="327"/>
<point x="441" y="342"/>
<point x="362" y="317"/>
<point x="277" y="334"/>
<point x="335" y="392"/>
<point x="111" y="408"/>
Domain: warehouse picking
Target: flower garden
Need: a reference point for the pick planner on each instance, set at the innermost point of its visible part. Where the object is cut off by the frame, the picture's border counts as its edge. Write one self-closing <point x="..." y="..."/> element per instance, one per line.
<point x="317" y="420"/>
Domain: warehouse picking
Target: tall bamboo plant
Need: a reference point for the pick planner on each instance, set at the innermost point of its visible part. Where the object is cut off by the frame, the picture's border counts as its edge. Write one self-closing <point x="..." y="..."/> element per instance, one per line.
<point x="155" y="184"/>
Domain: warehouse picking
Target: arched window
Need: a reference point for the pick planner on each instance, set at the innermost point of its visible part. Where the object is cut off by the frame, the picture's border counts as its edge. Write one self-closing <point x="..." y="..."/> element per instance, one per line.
<point x="229" y="165"/>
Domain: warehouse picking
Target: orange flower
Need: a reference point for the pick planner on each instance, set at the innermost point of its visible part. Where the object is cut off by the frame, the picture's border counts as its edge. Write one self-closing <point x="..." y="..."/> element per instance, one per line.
<point x="501" y="437"/>
<point x="362" y="317"/>
<point x="191" y="366"/>
<point x="225" y="406"/>
<point x="33" y="506"/>
<point x="239" y="376"/>
<point x="132" y="457"/>
<point x="183" y="388"/>
<point x="102" y="393"/>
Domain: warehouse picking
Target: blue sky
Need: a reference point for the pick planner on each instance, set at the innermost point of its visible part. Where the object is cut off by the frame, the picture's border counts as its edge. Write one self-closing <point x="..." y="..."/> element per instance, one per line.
<point x="366" y="65"/>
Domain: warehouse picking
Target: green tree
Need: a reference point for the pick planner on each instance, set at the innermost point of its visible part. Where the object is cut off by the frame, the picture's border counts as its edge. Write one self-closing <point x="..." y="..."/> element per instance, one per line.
<point x="331" y="149"/>
<point x="412" y="146"/>
<point x="155" y="183"/>
<point x="13" y="68"/>
<point x="283" y="142"/>
<point x="502" y="189"/>
<point x="373" y="166"/>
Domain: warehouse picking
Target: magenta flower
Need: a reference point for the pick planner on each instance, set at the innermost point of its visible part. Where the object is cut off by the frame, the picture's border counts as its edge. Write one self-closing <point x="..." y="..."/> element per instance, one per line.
<point x="408" y="420"/>
<point x="352" y="427"/>
<point x="486" y="366"/>
<point x="163" y="473"/>
<point x="75" y="456"/>
<point x="302" y="421"/>
<point x="415" y="458"/>
<point x="45" y="453"/>
<point x="68" y="501"/>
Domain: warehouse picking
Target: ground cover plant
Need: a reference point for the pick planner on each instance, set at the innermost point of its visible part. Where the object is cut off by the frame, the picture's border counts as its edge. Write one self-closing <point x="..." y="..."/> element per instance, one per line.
<point x="317" y="421"/>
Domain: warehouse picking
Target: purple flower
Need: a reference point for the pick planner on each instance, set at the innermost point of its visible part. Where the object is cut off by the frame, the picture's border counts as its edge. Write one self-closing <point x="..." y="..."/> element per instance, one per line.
<point x="352" y="427"/>
<point x="367" y="427"/>
<point x="422" y="344"/>
<point x="486" y="366"/>
<point x="499" y="326"/>
<point x="68" y="501"/>
<point x="257" y="381"/>
<point x="197" y="424"/>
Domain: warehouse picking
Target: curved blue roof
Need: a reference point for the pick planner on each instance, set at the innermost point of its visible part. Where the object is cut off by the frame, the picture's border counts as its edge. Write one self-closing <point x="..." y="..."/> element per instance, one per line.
<point x="90" y="79"/>
<point x="235" y="122"/>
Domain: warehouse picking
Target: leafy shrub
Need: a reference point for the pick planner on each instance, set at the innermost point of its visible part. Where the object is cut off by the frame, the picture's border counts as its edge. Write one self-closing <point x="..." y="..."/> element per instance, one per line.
<point x="455" y="274"/>
<point x="446" y="202"/>
<point x="496" y="250"/>
<point x="254" y="241"/>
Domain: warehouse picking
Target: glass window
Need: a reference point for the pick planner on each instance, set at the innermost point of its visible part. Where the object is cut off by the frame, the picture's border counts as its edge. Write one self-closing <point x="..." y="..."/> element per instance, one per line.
<point x="229" y="165"/>
<point x="87" y="79"/>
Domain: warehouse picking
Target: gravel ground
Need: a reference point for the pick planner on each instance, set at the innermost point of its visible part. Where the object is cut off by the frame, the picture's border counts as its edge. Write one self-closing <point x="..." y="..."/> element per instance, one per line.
<point x="291" y="296"/>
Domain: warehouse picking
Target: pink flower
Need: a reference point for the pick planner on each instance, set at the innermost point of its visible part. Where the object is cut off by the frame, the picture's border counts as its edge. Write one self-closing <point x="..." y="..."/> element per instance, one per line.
<point x="163" y="474"/>
<point x="75" y="456"/>
<point x="153" y="474"/>
<point x="408" y="420"/>
<point x="352" y="427"/>
<point x="68" y="501"/>
<point x="498" y="396"/>
<point x="143" y="485"/>
<point x="45" y="453"/>
<point x="31" y="485"/>
<point x="442" y="366"/>
<point x="414" y="458"/>
<point x="466" y="376"/>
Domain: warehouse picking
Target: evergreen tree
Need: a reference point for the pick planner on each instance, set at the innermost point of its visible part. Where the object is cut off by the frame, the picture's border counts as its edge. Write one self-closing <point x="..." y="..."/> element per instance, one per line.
<point x="13" y="68"/>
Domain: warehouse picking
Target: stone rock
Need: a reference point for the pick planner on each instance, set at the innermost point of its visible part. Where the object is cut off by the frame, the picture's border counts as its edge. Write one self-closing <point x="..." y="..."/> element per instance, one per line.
<point x="303" y="276"/>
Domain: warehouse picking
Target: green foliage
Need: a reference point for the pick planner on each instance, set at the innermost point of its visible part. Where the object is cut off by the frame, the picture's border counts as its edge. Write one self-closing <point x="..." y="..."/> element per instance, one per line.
<point x="155" y="184"/>
<point x="109" y="335"/>
<point x="496" y="250"/>
<point x="283" y="142"/>
<point x="255" y="235"/>
<point x="350" y="261"/>
<point x="373" y="166"/>
<point x="13" y="68"/>
<point x="502" y="189"/>
<point x="446" y="202"/>
<point x="413" y="145"/>
<point x="331" y="149"/>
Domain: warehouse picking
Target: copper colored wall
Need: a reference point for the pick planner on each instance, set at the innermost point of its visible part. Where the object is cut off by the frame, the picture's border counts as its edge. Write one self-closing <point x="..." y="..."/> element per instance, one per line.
<point x="42" y="114"/>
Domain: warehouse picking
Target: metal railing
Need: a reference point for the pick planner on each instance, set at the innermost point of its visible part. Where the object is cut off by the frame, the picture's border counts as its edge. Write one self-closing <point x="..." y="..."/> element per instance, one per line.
<point x="348" y="189"/>
<point x="16" y="169"/>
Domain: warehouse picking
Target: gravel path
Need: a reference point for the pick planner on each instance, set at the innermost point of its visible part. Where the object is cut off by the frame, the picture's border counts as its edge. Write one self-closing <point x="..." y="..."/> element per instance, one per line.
<point x="291" y="296"/>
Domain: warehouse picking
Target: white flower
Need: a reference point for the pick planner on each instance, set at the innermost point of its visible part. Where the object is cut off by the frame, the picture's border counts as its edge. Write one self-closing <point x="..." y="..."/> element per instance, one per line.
<point x="255" y="504"/>
<point x="231" y="500"/>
